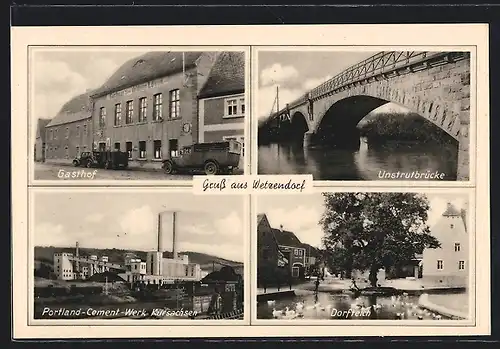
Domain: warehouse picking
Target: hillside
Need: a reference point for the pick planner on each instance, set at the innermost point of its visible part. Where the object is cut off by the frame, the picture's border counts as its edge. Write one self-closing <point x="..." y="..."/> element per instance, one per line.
<point x="45" y="254"/>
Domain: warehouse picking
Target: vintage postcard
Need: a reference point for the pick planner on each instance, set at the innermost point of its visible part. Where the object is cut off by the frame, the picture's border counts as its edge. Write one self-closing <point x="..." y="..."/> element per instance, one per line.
<point x="250" y="181"/>
<point x="367" y="256"/>
<point x="366" y="113"/>
<point x="104" y="113"/>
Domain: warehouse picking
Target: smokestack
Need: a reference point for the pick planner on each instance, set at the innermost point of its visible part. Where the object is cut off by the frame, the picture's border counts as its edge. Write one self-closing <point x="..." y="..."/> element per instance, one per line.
<point x="159" y="233"/>
<point x="174" y="247"/>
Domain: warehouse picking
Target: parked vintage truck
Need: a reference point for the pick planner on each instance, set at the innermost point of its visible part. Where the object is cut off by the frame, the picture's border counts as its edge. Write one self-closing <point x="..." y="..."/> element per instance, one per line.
<point x="102" y="159"/>
<point x="211" y="158"/>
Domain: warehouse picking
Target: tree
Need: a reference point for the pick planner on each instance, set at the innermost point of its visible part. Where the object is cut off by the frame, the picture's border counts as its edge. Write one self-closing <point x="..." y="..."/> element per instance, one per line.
<point x="369" y="231"/>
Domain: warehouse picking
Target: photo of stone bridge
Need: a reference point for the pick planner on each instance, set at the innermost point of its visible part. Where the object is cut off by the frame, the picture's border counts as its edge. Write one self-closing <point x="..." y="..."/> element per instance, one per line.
<point x="433" y="85"/>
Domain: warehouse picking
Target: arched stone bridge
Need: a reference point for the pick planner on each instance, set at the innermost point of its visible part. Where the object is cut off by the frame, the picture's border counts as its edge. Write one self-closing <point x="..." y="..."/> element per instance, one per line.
<point x="435" y="85"/>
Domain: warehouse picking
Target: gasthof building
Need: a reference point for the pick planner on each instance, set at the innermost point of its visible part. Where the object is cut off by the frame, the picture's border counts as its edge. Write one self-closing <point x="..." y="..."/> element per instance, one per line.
<point x="150" y="106"/>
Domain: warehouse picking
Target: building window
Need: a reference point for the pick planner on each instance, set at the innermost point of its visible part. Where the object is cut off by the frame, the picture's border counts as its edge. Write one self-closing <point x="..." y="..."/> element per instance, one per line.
<point x="174" y="104"/>
<point x="78" y="131"/>
<point x="143" y="107"/>
<point x="128" y="147"/>
<point x="77" y="151"/>
<point x="85" y="129"/>
<point x="66" y="152"/>
<point x="118" y="114"/>
<point x="461" y="265"/>
<point x="439" y="264"/>
<point x="142" y="150"/>
<point x="235" y="107"/>
<point x="130" y="112"/>
<point x="157" y="107"/>
<point x="102" y="117"/>
<point x="117" y="146"/>
<point x="173" y="147"/>
<point x="55" y="133"/>
<point x="67" y="132"/>
<point x="157" y="149"/>
<point x="457" y="247"/>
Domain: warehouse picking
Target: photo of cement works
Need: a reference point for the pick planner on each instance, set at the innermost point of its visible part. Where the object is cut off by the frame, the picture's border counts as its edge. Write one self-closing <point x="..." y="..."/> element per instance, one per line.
<point x="80" y="283"/>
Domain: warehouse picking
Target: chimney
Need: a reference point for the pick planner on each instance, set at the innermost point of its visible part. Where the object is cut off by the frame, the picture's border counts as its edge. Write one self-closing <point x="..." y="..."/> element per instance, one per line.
<point x="174" y="247"/>
<point x="159" y="249"/>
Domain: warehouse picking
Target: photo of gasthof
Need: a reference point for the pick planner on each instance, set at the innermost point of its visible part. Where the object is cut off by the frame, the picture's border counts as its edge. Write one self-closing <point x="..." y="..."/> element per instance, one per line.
<point x="136" y="112"/>
<point x="364" y="114"/>
<point x="364" y="255"/>
<point x="167" y="256"/>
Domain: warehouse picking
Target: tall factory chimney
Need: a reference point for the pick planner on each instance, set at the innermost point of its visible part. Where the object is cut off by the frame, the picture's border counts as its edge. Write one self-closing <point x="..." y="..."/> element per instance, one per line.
<point x="174" y="226"/>
<point x="159" y="249"/>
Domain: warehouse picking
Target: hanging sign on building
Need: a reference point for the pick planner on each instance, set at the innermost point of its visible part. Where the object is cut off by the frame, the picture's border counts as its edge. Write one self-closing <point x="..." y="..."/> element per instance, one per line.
<point x="137" y="88"/>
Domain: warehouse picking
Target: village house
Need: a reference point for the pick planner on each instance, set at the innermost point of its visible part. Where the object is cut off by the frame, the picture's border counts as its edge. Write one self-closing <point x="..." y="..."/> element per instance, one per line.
<point x="70" y="132"/>
<point x="149" y="106"/>
<point x="279" y="247"/>
<point x="221" y="105"/>
<point x="40" y="141"/>
<point x="448" y="265"/>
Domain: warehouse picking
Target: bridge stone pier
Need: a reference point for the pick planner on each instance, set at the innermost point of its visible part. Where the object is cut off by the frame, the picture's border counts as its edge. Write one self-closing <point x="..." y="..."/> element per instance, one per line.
<point x="435" y="85"/>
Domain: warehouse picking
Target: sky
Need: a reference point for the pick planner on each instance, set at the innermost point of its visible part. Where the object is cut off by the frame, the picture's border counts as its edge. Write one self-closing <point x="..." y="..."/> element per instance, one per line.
<point x="206" y="224"/>
<point x="302" y="216"/>
<point x="297" y="72"/>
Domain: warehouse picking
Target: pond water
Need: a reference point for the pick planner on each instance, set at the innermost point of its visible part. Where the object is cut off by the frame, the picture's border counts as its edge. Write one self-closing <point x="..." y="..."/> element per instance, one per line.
<point x="336" y="306"/>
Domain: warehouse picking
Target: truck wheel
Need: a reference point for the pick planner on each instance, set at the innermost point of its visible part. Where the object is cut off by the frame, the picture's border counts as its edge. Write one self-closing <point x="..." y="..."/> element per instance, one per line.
<point x="168" y="167"/>
<point x="211" y="168"/>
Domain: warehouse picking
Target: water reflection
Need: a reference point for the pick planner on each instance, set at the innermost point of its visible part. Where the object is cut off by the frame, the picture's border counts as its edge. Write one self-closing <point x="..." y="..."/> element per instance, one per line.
<point x="366" y="163"/>
<point x="344" y="306"/>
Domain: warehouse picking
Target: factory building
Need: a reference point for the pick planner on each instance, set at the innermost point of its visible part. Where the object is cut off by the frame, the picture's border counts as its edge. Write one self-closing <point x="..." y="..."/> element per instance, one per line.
<point x="70" y="132"/>
<point x="69" y="266"/>
<point x="221" y="102"/>
<point x="149" y="106"/>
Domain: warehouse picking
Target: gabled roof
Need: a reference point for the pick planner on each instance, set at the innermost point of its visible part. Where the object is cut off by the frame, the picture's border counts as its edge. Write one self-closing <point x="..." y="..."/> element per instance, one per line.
<point x="260" y="217"/>
<point x="146" y="67"/>
<point x="77" y="108"/>
<point x="286" y="238"/>
<point x="40" y="132"/>
<point x="451" y="211"/>
<point x="226" y="77"/>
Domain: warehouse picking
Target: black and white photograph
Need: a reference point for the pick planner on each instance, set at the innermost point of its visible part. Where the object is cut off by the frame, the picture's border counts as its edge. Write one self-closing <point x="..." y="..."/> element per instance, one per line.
<point x="144" y="113"/>
<point x="364" y="256"/>
<point x="364" y="114"/>
<point x="138" y="255"/>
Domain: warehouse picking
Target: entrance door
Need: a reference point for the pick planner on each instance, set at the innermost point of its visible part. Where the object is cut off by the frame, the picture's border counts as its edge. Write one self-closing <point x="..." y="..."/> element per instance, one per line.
<point x="102" y="146"/>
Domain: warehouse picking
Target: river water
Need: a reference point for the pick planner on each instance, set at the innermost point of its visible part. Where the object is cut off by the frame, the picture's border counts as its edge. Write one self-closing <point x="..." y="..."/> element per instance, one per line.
<point x="365" y="163"/>
<point x="334" y="306"/>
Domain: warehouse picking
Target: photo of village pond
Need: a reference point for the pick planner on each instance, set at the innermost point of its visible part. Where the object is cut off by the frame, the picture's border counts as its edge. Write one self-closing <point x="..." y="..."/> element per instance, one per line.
<point x="141" y="113"/>
<point x="364" y="115"/>
<point x="364" y="256"/>
<point x="138" y="255"/>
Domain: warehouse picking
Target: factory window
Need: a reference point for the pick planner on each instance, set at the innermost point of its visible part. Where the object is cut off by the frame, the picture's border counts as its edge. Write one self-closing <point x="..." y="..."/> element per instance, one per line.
<point x="192" y="271"/>
<point x="66" y="152"/>
<point x="130" y="112"/>
<point x="157" y="149"/>
<point x="102" y="117"/>
<point x="117" y="146"/>
<point x="118" y="114"/>
<point x="77" y="151"/>
<point x="142" y="149"/>
<point x="457" y="247"/>
<point x="128" y="146"/>
<point x="157" y="107"/>
<point x="78" y="131"/>
<point x="143" y="107"/>
<point x="173" y="146"/>
<point x="439" y="264"/>
<point x="186" y="271"/>
<point x="461" y="265"/>
<point x="67" y="132"/>
<point x="174" y="104"/>
<point x="242" y="105"/>
<point x="85" y="129"/>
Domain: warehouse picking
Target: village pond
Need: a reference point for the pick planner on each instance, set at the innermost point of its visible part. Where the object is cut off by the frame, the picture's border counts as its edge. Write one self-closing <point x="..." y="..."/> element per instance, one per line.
<point x="341" y="306"/>
<point x="365" y="163"/>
